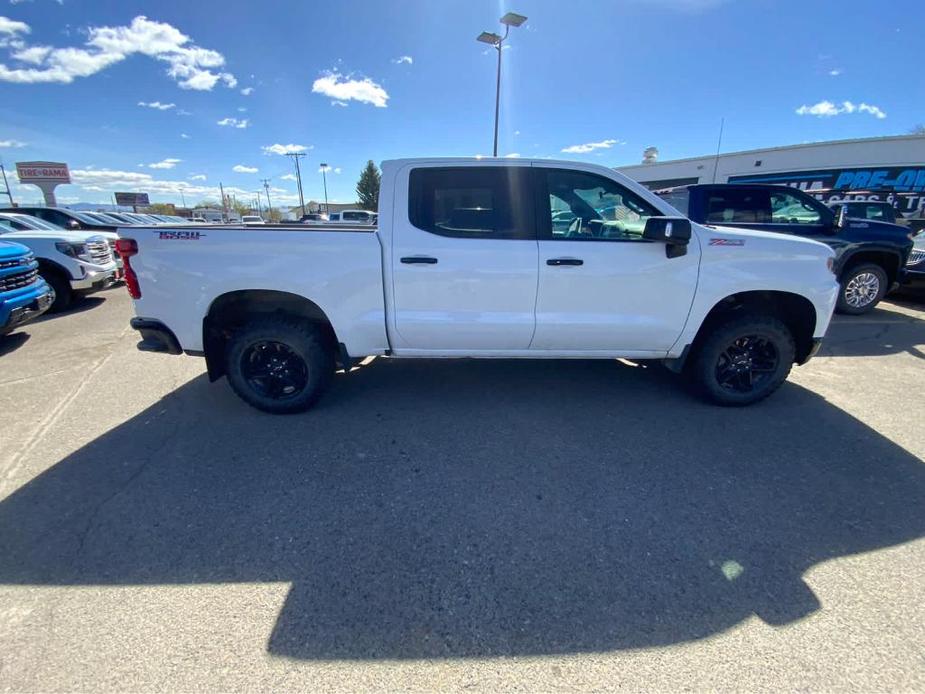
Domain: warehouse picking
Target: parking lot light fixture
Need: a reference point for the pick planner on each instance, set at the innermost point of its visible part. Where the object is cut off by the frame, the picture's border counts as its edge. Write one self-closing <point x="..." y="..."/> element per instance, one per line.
<point x="324" y="178"/>
<point x="511" y="19"/>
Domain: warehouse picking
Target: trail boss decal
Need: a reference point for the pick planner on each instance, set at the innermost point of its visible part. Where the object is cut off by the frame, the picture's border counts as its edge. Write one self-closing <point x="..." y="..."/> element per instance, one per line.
<point x="180" y="235"/>
<point x="727" y="242"/>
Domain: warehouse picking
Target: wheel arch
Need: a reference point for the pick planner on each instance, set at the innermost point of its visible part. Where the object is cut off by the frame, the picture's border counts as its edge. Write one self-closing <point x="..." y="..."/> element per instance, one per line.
<point x="794" y="310"/>
<point x="889" y="260"/>
<point x="231" y="310"/>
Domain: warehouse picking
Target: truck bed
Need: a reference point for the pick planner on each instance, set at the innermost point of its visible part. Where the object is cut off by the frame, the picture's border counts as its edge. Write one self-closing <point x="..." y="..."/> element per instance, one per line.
<point x="341" y="272"/>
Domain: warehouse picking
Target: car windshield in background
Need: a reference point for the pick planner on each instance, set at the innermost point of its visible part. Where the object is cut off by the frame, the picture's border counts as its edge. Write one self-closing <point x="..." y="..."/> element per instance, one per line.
<point x="87" y="218"/>
<point x="678" y="199"/>
<point x="28" y="222"/>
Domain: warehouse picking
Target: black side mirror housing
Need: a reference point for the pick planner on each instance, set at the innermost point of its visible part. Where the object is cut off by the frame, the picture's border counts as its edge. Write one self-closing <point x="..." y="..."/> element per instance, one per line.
<point x="674" y="232"/>
<point x="841" y="217"/>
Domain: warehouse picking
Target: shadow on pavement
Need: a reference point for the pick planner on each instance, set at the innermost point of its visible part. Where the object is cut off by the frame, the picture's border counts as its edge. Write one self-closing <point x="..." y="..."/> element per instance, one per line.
<point x="878" y="333"/>
<point x="13" y="341"/>
<point x="475" y="508"/>
<point x="81" y="304"/>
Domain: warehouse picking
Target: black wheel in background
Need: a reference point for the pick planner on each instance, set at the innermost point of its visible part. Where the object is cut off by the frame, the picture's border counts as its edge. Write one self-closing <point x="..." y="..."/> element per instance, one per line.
<point x="64" y="295"/>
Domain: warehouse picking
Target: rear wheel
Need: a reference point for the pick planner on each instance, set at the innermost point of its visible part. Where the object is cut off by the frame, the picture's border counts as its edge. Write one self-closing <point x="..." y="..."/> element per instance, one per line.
<point x="280" y="365"/>
<point x="742" y="360"/>
<point x="861" y="289"/>
<point x="64" y="295"/>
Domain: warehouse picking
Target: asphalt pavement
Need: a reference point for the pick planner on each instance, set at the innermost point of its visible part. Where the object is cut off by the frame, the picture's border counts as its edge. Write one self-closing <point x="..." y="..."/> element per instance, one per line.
<point x="463" y="525"/>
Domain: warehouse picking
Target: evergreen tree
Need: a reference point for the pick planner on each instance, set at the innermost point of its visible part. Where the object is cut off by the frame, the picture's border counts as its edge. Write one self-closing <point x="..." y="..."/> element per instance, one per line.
<point x="368" y="187"/>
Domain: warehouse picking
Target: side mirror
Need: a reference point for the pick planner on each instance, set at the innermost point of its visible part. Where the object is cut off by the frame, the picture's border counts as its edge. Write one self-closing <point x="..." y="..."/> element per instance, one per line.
<point x="841" y="217"/>
<point x="73" y="224"/>
<point x="674" y="232"/>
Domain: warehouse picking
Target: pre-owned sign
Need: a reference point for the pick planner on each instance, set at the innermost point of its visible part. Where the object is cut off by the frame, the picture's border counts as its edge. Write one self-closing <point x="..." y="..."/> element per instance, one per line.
<point x="42" y="172"/>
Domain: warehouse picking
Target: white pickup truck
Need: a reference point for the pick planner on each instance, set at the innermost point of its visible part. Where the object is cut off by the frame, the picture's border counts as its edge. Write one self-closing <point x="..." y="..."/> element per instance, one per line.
<point x="468" y="262"/>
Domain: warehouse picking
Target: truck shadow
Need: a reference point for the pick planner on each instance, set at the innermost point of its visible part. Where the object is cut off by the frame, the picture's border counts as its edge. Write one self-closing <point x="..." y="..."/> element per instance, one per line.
<point x="13" y="341"/>
<point x="476" y="508"/>
<point x="882" y="331"/>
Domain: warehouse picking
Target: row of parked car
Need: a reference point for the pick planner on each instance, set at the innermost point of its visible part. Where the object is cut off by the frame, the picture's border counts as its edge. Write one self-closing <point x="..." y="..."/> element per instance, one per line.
<point x="49" y="256"/>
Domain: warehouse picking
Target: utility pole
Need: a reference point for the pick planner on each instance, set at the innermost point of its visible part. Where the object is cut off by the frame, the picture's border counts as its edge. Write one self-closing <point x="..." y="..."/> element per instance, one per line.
<point x="266" y="187"/>
<point x="9" y="194"/>
<point x="221" y="190"/>
<point x="298" y="176"/>
<point x="324" y="177"/>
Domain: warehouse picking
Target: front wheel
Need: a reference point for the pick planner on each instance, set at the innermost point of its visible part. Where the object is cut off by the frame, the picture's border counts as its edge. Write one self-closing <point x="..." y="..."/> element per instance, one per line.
<point x="861" y="289"/>
<point x="61" y="289"/>
<point x="280" y="365"/>
<point x="742" y="360"/>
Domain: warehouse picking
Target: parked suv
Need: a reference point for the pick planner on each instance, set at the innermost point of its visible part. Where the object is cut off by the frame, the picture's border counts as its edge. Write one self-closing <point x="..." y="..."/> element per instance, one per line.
<point x="24" y="295"/>
<point x="74" y="263"/>
<point x="870" y="256"/>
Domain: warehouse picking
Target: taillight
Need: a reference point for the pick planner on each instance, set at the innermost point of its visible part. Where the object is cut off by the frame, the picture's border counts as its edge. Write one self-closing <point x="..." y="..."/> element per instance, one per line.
<point x="126" y="248"/>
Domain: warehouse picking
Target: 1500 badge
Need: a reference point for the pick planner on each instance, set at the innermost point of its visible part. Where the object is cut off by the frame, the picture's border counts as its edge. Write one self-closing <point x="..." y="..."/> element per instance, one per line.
<point x="180" y="235"/>
<point x="727" y="242"/>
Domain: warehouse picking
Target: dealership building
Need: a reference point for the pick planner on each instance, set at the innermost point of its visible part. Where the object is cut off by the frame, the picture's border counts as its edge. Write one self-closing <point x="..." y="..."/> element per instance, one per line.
<point x="878" y="168"/>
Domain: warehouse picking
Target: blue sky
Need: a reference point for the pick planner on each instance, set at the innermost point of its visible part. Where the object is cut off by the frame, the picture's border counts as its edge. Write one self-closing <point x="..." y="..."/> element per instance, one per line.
<point x="221" y="82"/>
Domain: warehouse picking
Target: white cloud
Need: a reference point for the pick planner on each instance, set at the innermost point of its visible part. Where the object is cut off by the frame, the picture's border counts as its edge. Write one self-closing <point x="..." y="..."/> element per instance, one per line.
<point x="11" y="26"/>
<point x="241" y="109"/>
<point x="330" y="169"/>
<point x="826" y="109"/>
<point x="343" y="89"/>
<point x="512" y="155"/>
<point x="156" y="105"/>
<point x="165" y="164"/>
<point x="590" y="146"/>
<point x="289" y="177"/>
<point x="403" y="59"/>
<point x="339" y="103"/>
<point x="183" y="112"/>
<point x="247" y="91"/>
<point x="234" y="122"/>
<point x="14" y="144"/>
<point x="198" y="177"/>
<point x="835" y="72"/>
<point x="284" y="149"/>
<point x="184" y="136"/>
<point x="189" y="65"/>
<point x="240" y="168"/>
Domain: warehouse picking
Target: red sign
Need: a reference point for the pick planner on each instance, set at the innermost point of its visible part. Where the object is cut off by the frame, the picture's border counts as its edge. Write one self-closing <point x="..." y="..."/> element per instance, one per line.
<point x="42" y="172"/>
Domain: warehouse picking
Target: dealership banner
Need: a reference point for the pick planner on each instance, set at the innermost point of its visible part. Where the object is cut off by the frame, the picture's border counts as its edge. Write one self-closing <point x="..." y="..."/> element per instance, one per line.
<point x="903" y="186"/>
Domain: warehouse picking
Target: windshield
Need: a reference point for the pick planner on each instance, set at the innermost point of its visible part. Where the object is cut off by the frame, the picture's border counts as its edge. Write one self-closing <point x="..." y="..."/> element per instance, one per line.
<point x="31" y="222"/>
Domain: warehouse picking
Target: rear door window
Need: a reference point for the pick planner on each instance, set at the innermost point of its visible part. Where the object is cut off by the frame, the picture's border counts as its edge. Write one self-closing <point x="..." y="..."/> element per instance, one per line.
<point x="472" y="202"/>
<point x="738" y="206"/>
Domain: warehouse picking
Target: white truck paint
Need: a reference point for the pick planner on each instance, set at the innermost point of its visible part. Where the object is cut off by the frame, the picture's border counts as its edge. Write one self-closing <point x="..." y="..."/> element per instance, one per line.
<point x="382" y="294"/>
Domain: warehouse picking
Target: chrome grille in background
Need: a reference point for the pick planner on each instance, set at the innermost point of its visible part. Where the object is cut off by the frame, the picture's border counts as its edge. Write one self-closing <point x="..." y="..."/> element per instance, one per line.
<point x="100" y="253"/>
<point x="916" y="257"/>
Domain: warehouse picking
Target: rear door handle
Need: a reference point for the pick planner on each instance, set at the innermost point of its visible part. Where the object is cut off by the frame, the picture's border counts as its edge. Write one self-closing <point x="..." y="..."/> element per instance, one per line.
<point x="565" y="261"/>
<point x="419" y="260"/>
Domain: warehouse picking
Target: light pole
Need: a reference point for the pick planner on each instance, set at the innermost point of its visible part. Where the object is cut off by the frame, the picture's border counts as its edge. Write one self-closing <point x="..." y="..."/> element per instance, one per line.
<point x="298" y="176"/>
<point x="511" y="19"/>
<point x="324" y="178"/>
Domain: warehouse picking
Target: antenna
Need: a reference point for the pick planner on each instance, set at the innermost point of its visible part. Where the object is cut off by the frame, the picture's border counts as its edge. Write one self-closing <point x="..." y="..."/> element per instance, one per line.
<point x="719" y="144"/>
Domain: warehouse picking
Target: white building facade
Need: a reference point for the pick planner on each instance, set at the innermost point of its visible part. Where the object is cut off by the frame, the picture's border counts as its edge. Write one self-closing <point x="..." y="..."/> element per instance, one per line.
<point x="882" y="168"/>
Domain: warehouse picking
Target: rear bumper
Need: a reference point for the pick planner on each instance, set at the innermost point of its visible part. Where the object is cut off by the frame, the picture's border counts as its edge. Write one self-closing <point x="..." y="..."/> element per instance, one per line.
<point x="155" y="336"/>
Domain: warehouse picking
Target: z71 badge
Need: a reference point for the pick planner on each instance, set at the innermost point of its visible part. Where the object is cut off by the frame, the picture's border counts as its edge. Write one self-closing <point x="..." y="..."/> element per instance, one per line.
<point x="727" y="242"/>
<point x="180" y="235"/>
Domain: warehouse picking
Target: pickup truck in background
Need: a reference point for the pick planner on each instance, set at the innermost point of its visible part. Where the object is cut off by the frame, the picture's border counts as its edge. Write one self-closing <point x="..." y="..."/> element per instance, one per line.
<point x="870" y="256"/>
<point x="468" y="262"/>
<point x="73" y="263"/>
<point x="24" y="295"/>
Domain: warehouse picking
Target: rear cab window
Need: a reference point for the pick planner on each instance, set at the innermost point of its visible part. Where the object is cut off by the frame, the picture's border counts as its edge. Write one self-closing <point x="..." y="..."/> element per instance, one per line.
<point x="472" y="202"/>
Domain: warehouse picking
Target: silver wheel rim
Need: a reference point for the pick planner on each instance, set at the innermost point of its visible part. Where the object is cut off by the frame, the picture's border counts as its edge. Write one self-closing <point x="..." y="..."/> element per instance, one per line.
<point x="862" y="290"/>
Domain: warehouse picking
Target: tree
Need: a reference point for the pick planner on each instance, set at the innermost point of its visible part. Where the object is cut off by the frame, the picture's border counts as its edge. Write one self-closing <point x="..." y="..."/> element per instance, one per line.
<point x="161" y="208"/>
<point x="368" y="187"/>
<point x="918" y="130"/>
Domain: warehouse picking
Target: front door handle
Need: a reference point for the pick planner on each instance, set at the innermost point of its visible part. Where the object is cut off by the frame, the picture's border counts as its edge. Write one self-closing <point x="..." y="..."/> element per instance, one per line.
<point x="565" y="261"/>
<point x="419" y="260"/>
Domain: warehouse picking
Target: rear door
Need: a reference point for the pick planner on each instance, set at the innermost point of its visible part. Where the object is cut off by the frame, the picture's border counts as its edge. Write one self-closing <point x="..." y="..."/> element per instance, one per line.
<point x="602" y="287"/>
<point x="767" y="209"/>
<point x="464" y="259"/>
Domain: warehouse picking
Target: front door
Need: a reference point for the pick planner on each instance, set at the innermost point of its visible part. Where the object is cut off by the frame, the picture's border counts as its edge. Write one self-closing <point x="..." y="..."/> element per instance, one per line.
<point x="601" y="285"/>
<point x="464" y="259"/>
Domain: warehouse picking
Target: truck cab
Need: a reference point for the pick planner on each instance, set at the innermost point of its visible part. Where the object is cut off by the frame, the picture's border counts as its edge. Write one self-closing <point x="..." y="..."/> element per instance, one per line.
<point x="870" y="255"/>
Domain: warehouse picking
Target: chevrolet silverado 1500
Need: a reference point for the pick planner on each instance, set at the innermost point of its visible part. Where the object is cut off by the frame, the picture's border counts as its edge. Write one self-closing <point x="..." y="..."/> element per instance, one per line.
<point x="467" y="261"/>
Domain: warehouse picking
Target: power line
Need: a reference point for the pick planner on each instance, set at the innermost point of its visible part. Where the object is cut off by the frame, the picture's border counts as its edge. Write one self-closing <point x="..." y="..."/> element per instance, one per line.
<point x="298" y="176"/>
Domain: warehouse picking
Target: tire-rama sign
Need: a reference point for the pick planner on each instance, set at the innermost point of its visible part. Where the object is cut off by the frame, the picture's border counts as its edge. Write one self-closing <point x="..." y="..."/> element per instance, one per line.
<point x="904" y="186"/>
<point x="42" y="172"/>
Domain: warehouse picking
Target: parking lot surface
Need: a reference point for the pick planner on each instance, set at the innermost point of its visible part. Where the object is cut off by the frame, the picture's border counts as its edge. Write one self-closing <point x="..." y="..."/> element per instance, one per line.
<point x="465" y="525"/>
